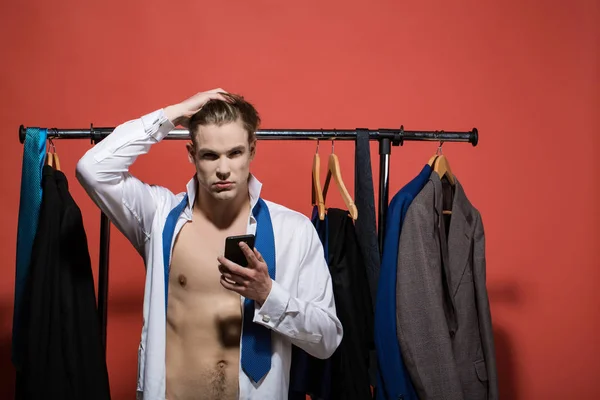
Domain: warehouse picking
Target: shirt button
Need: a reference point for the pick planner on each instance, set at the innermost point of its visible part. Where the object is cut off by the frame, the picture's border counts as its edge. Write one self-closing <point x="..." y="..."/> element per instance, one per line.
<point x="266" y="318"/>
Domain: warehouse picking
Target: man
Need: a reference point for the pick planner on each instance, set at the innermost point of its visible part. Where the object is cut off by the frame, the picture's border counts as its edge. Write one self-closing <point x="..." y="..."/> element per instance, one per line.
<point x="198" y="326"/>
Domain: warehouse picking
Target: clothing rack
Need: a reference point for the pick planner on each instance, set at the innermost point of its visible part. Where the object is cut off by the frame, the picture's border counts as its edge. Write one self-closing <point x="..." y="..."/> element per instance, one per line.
<point x="386" y="138"/>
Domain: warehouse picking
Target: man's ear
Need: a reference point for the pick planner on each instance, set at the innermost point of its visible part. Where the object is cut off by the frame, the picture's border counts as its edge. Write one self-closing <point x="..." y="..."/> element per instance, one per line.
<point x="252" y="149"/>
<point x="191" y="152"/>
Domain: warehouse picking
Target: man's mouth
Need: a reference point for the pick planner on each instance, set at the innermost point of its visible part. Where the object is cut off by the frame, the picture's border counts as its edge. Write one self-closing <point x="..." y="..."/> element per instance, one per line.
<point x="223" y="185"/>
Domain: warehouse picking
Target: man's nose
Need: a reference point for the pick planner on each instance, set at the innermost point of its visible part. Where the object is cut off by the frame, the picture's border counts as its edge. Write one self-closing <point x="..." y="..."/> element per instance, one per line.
<point x="223" y="169"/>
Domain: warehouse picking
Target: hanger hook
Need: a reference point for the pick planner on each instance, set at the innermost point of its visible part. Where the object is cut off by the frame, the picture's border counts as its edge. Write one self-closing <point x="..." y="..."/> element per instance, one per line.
<point x="439" y="149"/>
<point x="52" y="144"/>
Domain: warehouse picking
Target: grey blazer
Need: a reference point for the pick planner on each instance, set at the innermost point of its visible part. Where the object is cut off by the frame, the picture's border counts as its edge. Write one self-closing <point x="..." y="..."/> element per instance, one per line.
<point x="443" y="318"/>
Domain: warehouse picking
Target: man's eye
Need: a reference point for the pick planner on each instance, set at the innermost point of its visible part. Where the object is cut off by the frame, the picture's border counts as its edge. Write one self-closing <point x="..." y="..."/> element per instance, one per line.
<point x="209" y="157"/>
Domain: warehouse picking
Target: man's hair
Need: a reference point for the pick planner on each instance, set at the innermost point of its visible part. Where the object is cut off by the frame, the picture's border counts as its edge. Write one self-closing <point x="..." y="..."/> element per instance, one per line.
<point x="219" y="112"/>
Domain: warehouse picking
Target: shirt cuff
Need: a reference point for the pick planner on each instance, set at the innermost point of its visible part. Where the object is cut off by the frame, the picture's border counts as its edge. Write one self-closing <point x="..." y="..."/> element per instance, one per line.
<point x="157" y="125"/>
<point x="273" y="308"/>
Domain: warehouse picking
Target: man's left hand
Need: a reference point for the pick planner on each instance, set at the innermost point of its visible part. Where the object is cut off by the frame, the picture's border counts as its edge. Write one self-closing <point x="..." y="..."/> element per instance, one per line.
<point x="253" y="281"/>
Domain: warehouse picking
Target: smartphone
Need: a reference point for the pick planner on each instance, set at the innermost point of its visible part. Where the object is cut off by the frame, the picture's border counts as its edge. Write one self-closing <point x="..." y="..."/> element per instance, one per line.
<point x="233" y="251"/>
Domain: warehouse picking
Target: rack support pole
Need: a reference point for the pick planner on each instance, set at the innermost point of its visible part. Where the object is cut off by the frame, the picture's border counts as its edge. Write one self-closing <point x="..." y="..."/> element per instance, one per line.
<point x="103" y="264"/>
<point x="103" y="275"/>
<point x="384" y="176"/>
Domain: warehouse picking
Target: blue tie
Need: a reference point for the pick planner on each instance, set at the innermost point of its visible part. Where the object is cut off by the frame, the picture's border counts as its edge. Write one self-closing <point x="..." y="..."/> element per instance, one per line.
<point x="256" y="339"/>
<point x="168" y="232"/>
<point x="34" y="153"/>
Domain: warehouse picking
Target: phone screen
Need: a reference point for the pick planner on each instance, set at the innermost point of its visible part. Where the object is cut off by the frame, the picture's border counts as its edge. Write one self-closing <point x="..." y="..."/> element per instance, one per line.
<point x="233" y="252"/>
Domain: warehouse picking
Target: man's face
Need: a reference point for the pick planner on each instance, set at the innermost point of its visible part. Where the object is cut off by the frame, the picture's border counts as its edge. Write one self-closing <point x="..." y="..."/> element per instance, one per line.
<point x="222" y="158"/>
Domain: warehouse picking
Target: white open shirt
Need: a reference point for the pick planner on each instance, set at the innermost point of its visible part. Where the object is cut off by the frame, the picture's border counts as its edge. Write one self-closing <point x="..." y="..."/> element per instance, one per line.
<point x="300" y="308"/>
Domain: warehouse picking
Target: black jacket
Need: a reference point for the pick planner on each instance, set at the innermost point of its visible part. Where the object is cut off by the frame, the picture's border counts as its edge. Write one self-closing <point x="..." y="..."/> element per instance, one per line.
<point x="63" y="355"/>
<point x="345" y="375"/>
<point x="353" y="306"/>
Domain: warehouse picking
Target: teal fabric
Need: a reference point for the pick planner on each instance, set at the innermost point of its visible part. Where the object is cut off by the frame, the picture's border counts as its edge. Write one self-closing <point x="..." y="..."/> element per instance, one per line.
<point x="34" y="154"/>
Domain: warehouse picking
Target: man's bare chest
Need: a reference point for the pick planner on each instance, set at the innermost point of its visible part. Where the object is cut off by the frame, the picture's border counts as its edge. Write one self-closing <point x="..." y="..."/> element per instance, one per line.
<point x="194" y="264"/>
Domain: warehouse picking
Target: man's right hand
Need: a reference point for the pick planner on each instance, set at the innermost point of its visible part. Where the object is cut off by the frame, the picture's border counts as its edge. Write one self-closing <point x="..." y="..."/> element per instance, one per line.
<point x="179" y="114"/>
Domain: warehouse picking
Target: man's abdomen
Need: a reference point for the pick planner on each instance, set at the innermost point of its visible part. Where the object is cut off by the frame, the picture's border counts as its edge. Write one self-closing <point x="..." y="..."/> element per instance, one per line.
<point x="202" y="349"/>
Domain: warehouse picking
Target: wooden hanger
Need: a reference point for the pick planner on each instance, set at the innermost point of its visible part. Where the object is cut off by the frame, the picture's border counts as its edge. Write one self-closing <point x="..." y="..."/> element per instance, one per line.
<point x="56" y="162"/>
<point x="335" y="171"/>
<point x="317" y="192"/>
<point x="432" y="160"/>
<point x="49" y="159"/>
<point x="441" y="166"/>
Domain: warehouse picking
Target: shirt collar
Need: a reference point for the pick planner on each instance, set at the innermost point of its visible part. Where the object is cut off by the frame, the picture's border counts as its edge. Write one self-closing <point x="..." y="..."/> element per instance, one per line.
<point x="254" y="189"/>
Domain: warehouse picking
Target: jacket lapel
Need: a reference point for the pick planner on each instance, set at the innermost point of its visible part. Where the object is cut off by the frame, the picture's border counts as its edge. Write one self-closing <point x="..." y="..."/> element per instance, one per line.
<point x="448" y="303"/>
<point x="459" y="236"/>
<point x="454" y="247"/>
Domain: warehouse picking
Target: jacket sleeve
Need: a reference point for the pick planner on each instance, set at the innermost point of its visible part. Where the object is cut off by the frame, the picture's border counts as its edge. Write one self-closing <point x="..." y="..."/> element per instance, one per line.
<point x="483" y="309"/>
<point x="421" y="323"/>
<point x="308" y="319"/>
<point x="104" y="173"/>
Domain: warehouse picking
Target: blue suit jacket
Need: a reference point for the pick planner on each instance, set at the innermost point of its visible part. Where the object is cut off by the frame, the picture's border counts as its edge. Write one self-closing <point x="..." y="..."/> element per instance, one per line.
<point x="393" y="380"/>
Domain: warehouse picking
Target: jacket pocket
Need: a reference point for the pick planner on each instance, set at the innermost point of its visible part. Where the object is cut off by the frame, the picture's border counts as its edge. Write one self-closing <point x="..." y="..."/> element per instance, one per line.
<point x="481" y="370"/>
<point x="475" y="380"/>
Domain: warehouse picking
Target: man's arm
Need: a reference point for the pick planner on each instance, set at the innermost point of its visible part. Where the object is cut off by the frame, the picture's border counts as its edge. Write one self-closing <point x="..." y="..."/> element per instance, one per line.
<point x="104" y="170"/>
<point x="308" y="320"/>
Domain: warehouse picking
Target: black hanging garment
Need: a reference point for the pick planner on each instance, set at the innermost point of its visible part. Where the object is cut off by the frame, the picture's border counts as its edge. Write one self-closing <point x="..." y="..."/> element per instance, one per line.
<point x="345" y="375"/>
<point x="364" y="198"/>
<point x="62" y="351"/>
<point x="350" y="371"/>
<point x="366" y="227"/>
<point x="310" y="375"/>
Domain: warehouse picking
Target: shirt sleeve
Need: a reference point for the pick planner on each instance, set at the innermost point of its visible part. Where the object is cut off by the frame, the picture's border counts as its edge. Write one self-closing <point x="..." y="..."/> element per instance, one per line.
<point x="310" y="319"/>
<point x="103" y="172"/>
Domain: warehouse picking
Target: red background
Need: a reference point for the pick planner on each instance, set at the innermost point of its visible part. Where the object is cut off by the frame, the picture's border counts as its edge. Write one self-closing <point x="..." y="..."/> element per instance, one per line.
<point x="525" y="73"/>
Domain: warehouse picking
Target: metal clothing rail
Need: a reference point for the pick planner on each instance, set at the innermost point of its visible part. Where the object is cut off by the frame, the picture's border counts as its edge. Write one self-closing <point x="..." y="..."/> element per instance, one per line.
<point x="386" y="138"/>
